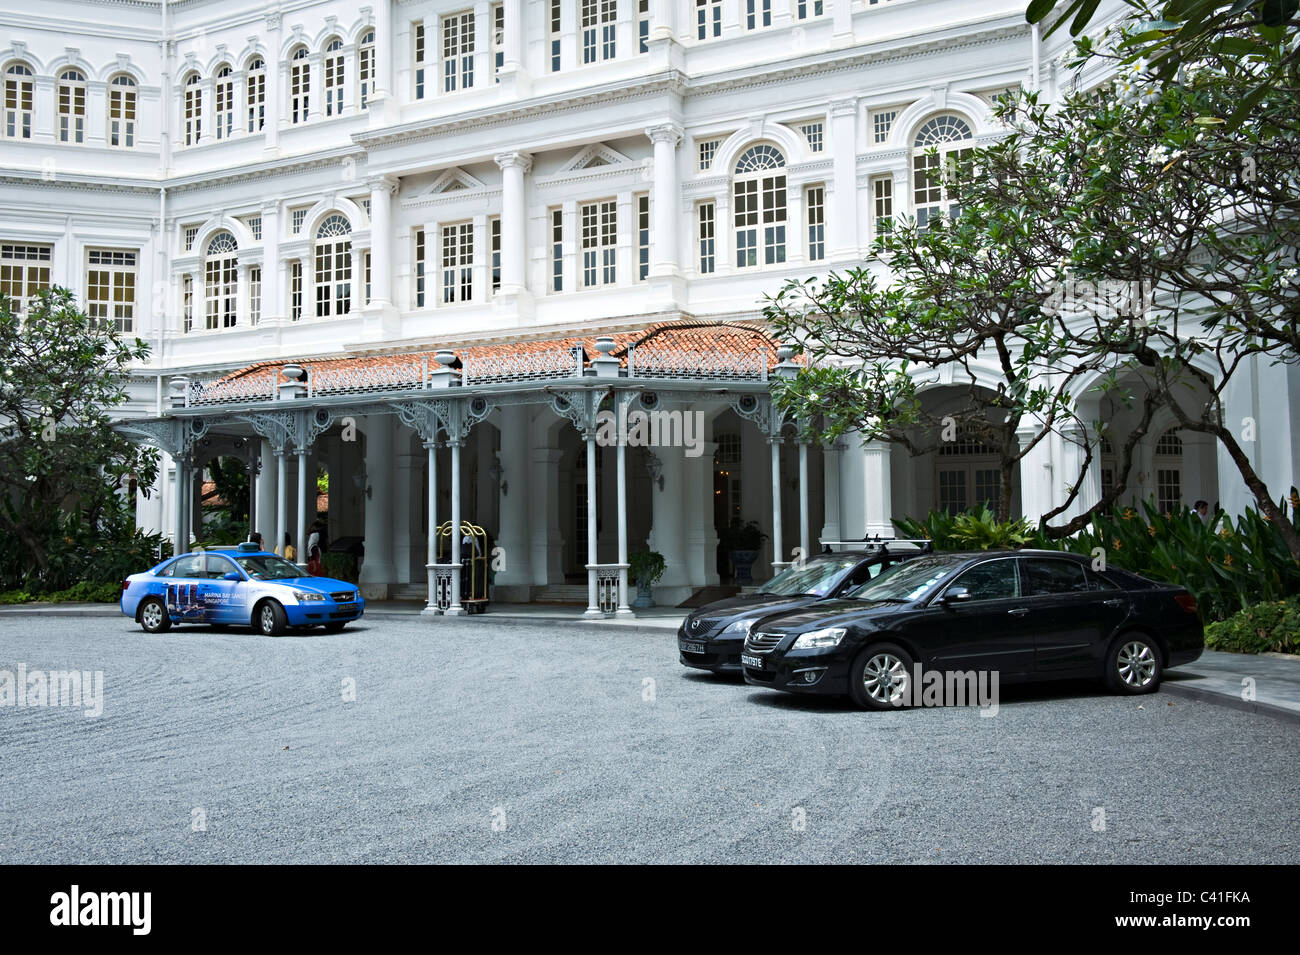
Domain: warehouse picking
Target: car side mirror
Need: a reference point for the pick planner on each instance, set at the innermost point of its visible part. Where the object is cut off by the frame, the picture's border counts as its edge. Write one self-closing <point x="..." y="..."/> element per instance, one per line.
<point x="955" y="595"/>
<point x="233" y="575"/>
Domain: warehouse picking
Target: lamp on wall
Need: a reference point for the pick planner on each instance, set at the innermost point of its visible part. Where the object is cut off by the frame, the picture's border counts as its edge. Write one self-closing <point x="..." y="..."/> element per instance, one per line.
<point x="360" y="481"/>
<point x="655" y="467"/>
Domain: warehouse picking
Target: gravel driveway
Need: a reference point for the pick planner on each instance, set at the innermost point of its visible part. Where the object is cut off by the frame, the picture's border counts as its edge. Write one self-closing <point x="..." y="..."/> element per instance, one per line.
<point x="474" y="741"/>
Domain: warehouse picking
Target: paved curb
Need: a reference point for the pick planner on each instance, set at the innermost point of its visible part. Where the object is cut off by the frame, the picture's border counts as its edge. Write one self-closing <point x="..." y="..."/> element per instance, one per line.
<point x="1183" y="689"/>
<point x="489" y="618"/>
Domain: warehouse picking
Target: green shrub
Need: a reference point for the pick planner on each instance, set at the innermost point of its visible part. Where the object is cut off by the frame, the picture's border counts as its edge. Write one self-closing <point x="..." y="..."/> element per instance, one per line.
<point x="975" y="529"/>
<point x="1272" y="626"/>
<point x="340" y="566"/>
<point x="645" y="565"/>
<point x="15" y="597"/>
<point x="87" y="592"/>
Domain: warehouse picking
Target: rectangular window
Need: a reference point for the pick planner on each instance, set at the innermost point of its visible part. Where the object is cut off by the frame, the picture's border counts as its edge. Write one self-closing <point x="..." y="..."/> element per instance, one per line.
<point x="298" y="217"/>
<point x="224" y="91"/>
<point x="598" y="30"/>
<point x="72" y="109"/>
<point x="813" y="133"/>
<point x="498" y="39"/>
<point x="554" y="30"/>
<point x="417" y="57"/>
<point x="254" y="294"/>
<point x="642" y="237"/>
<point x="191" y="232"/>
<point x="1169" y="490"/>
<point x="707" y="230"/>
<point x="256" y="96"/>
<point x="815" y="203"/>
<point x="708" y="19"/>
<point x="557" y="250"/>
<point x="365" y="70"/>
<point x="808" y="8"/>
<point x="333" y="278"/>
<point x="599" y="243"/>
<point x="121" y="112"/>
<point x="18" y="102"/>
<point x="221" y="288"/>
<point x="193" y="117"/>
<point x="255" y="227"/>
<point x="365" y="264"/>
<point x="758" y="13"/>
<point x="110" y="288"/>
<point x="299" y="87"/>
<point x="882" y="121"/>
<point x="708" y="149"/>
<point x="295" y="289"/>
<point x="419" y="268"/>
<point x="187" y="302"/>
<point x="334" y="78"/>
<point x="458" y="262"/>
<point x="643" y="26"/>
<point x="457" y="52"/>
<point x="882" y="202"/>
<point x="24" y="271"/>
<point x="494" y="230"/>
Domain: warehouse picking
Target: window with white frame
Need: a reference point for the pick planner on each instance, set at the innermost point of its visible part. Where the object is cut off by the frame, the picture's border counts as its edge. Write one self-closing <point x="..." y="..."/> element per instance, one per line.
<point x="458" y="263"/>
<point x="334" y="77"/>
<point x="187" y="303"/>
<point x="643" y="26"/>
<point x="498" y="11"/>
<point x="758" y="13"/>
<point x="418" y="256"/>
<point x="1169" y="472"/>
<point x="598" y="30"/>
<point x="254" y="294"/>
<point x="882" y="121"/>
<point x="365" y="265"/>
<point x="221" y="282"/>
<point x="121" y="111"/>
<point x="815" y="208"/>
<point x="941" y="147"/>
<point x="72" y="106"/>
<point x="224" y="102"/>
<point x="553" y="32"/>
<point x="295" y="289"/>
<point x="191" y="233"/>
<point x="418" y="57"/>
<point x="365" y="68"/>
<point x="707" y="237"/>
<point x="494" y="234"/>
<point x="254" y="224"/>
<point x="256" y="98"/>
<point x="193" y="110"/>
<point x="708" y="19"/>
<point x="457" y="52"/>
<point x="759" y="206"/>
<point x="557" y="249"/>
<point x="18" y="101"/>
<point x="299" y="86"/>
<point x="599" y="242"/>
<point x="814" y="135"/>
<point x="296" y="219"/>
<point x="24" y="271"/>
<point x="642" y="237"/>
<point x="333" y="255"/>
<point x="882" y="204"/>
<point x="110" y="288"/>
<point x="707" y="150"/>
<point x="805" y="9"/>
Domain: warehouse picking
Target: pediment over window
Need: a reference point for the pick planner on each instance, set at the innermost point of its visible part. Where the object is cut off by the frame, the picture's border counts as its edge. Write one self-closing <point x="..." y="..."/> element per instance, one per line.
<point x="454" y="180"/>
<point x="595" y="156"/>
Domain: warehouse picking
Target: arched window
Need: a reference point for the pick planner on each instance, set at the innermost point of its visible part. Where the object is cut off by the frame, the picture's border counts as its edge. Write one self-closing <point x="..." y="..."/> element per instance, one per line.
<point x="72" y="106"/>
<point x="333" y="267"/>
<point x="121" y="111"/>
<point x="334" y="77"/>
<point x="256" y="94"/>
<point x="299" y="85"/>
<point x="1169" y="472"/>
<point x="759" y="206"/>
<point x="18" y="101"/>
<point x="193" y="110"/>
<point x="941" y="145"/>
<point x="224" y="94"/>
<point x="221" y="281"/>
<point x="366" y="68"/>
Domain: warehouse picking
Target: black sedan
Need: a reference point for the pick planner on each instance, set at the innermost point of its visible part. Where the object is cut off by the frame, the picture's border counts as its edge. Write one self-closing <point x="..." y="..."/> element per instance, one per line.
<point x="1022" y="615"/>
<point x="710" y="638"/>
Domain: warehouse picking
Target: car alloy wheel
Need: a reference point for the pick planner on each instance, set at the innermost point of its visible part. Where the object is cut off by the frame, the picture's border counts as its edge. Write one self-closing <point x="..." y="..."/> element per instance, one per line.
<point x="881" y="677"/>
<point x="270" y="619"/>
<point x="1136" y="664"/>
<point x="153" y="617"/>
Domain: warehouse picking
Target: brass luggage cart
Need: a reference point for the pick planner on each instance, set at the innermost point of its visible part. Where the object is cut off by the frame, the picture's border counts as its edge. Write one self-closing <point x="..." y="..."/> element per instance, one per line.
<point x="475" y="560"/>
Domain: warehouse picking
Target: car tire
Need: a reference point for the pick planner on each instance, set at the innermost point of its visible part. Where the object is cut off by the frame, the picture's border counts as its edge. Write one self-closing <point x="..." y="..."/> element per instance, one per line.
<point x="871" y="668"/>
<point x="1133" y="665"/>
<point x="269" y="619"/>
<point x="154" y="617"/>
<point x="335" y="627"/>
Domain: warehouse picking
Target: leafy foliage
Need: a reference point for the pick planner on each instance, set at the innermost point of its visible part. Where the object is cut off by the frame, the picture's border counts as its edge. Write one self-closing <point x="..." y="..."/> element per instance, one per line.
<point x="1272" y="626"/>
<point x="646" y="566"/>
<point x="974" y="529"/>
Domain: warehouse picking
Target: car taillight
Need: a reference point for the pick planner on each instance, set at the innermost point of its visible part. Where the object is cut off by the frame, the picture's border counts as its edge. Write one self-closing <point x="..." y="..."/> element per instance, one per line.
<point x="125" y="584"/>
<point x="1186" y="601"/>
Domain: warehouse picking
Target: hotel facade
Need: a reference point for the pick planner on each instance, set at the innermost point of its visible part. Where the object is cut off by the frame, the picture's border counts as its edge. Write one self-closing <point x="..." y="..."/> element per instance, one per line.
<point x="419" y="246"/>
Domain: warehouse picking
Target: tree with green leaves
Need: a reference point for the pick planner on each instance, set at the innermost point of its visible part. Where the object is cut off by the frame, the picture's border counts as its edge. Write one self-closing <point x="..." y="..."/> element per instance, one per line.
<point x="64" y="472"/>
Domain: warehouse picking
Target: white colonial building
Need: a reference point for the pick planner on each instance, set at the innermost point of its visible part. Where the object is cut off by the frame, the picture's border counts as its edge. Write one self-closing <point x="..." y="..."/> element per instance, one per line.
<point x="466" y="227"/>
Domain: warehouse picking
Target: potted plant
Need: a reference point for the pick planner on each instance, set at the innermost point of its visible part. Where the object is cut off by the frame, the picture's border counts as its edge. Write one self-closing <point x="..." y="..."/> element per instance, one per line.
<point x="742" y="541"/>
<point x="643" y="569"/>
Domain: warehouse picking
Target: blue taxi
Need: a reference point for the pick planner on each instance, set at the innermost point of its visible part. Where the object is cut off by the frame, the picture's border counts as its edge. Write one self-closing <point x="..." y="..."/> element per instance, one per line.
<point x="241" y="586"/>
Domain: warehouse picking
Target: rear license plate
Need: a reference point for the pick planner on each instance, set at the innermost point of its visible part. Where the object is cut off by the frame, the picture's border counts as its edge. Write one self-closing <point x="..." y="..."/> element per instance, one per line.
<point x="754" y="663"/>
<point x="689" y="646"/>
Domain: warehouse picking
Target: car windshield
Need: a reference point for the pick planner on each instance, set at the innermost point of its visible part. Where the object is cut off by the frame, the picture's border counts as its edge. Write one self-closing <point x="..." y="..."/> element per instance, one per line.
<point x="814" y="578"/>
<point x="269" y="567"/>
<point x="906" y="581"/>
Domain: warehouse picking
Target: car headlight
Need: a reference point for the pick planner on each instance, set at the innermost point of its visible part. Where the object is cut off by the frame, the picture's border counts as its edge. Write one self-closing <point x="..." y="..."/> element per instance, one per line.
<point x="740" y="627"/>
<point x="306" y="597"/>
<point x="813" y="639"/>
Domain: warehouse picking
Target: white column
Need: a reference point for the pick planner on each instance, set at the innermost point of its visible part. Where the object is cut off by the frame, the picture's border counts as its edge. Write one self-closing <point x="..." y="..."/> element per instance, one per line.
<point x="841" y="214"/>
<point x="266" y="492"/>
<point x="1035" y="471"/>
<point x="512" y="43"/>
<point x="300" y="540"/>
<point x="483" y="64"/>
<point x="878" y="499"/>
<point x="455" y="610"/>
<point x="593" y="608"/>
<point x="403" y="520"/>
<point x="377" y="568"/>
<point x="805" y="543"/>
<point x="431" y="535"/>
<point x="779" y="561"/>
<point x="281" y="500"/>
<point x="274" y="87"/>
<point x="832" y="457"/>
<point x="621" y="453"/>
<point x="667" y="534"/>
<point x="697" y="510"/>
<point x="545" y="536"/>
<point x="381" y="240"/>
<point x="664" y="255"/>
<point x="513" y="579"/>
<point x="513" y="218"/>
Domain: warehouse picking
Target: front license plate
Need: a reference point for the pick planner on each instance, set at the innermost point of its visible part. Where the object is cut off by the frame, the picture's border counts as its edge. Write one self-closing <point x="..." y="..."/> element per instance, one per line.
<point x="347" y="608"/>
<point x="754" y="663"/>
<point x="690" y="647"/>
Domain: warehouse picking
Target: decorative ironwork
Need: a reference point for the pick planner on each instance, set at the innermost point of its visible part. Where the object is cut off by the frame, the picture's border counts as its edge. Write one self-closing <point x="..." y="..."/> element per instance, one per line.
<point x="607" y="577"/>
<point x="331" y="380"/>
<point x="442" y="575"/>
<point x="425" y="417"/>
<point x="225" y="391"/>
<point x="522" y="366"/>
<point x="712" y="364"/>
